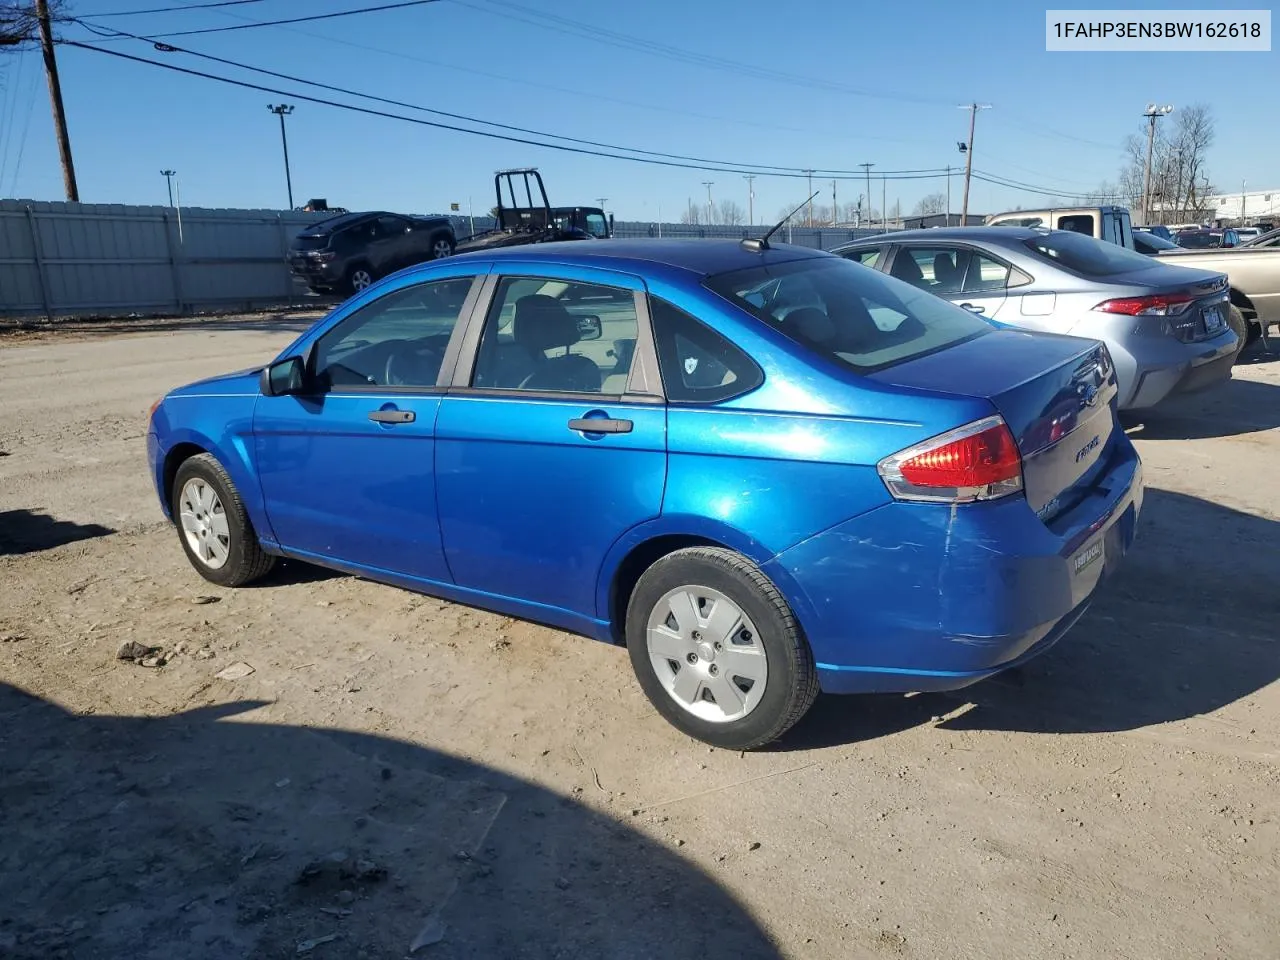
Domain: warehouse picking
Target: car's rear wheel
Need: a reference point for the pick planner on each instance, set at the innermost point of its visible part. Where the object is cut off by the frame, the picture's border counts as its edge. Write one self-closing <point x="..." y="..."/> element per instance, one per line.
<point x="214" y="527"/>
<point x="717" y="649"/>
<point x="1243" y="329"/>
<point x="441" y="248"/>
<point x="360" y="277"/>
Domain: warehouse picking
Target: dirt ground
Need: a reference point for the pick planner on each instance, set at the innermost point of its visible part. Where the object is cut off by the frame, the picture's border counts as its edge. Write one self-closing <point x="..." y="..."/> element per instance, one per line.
<point x="399" y="776"/>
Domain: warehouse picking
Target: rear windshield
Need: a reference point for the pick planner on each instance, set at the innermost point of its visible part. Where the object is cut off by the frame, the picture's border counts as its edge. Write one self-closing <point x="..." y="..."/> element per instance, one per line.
<point x="305" y="242"/>
<point x="1085" y="255"/>
<point x="847" y="313"/>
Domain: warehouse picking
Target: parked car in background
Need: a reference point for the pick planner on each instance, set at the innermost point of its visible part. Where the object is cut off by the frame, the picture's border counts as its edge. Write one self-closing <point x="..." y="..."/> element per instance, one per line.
<point x="868" y="491"/>
<point x="1109" y="223"/>
<point x="348" y="253"/>
<point x="1207" y="238"/>
<point x="1166" y="327"/>
<point x="1254" y="281"/>
<point x="1269" y="238"/>
<point x="1150" y="244"/>
<point x="1156" y="230"/>
<point x="1246" y="234"/>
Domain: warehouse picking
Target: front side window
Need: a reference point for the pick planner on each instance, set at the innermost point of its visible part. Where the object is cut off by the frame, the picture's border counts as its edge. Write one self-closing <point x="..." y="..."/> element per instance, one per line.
<point x="858" y="318"/>
<point x="1086" y="255"/>
<point x="398" y="340"/>
<point x="557" y="336"/>
<point x="597" y="226"/>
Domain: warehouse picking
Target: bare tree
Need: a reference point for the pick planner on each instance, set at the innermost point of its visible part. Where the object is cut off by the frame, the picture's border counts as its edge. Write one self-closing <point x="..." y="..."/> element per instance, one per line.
<point x="692" y="213"/>
<point x="731" y="213"/>
<point x="18" y="23"/>
<point x="1180" y="183"/>
<point x="933" y="203"/>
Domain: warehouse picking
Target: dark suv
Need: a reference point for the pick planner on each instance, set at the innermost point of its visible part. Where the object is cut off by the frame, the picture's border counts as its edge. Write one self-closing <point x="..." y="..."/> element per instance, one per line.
<point x="349" y="252"/>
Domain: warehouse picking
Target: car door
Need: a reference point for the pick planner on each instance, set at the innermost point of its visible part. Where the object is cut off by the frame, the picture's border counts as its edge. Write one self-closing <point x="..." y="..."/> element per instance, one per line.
<point x="346" y="467"/>
<point x="968" y="277"/>
<point x="390" y="244"/>
<point x="552" y="442"/>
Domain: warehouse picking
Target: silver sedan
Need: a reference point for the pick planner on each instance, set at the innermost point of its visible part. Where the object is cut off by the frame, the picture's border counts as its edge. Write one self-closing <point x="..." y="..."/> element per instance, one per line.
<point x="1166" y="327"/>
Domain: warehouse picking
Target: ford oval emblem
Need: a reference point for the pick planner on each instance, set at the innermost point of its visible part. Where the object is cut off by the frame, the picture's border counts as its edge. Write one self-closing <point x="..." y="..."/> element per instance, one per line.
<point x="1090" y="396"/>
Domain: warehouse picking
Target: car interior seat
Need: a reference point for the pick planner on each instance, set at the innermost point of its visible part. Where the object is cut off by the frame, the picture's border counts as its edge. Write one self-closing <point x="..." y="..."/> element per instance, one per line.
<point x="542" y="323"/>
<point x="906" y="268"/>
<point x="946" y="274"/>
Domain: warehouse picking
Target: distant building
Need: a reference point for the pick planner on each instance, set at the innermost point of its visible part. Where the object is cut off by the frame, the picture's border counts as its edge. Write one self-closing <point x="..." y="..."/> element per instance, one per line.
<point x="1254" y="205"/>
<point x="942" y="220"/>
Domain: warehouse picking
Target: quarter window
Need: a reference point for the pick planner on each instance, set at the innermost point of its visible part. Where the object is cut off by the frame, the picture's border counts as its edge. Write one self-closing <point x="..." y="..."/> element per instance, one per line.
<point x="985" y="274"/>
<point x="399" y="340"/>
<point x="697" y="364"/>
<point x="556" y="336"/>
<point x="868" y="257"/>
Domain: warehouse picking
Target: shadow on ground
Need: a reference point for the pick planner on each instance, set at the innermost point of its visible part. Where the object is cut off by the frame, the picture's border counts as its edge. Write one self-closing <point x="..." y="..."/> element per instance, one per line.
<point x="294" y="320"/>
<point x="1186" y="626"/>
<point x="1234" y="408"/>
<point x="200" y="835"/>
<point x="26" y="531"/>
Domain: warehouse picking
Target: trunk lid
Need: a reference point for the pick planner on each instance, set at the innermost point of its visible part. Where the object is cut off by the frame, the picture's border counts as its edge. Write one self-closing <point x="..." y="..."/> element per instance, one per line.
<point x="1054" y="392"/>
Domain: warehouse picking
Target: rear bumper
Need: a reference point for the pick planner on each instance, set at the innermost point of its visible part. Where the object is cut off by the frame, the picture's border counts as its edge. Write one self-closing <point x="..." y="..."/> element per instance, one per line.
<point x="315" y="274"/>
<point x="1210" y="368"/>
<point x="915" y="597"/>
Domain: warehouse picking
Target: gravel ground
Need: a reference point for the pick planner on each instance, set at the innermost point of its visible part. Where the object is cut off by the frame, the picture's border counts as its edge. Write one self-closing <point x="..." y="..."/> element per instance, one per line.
<point x="398" y="772"/>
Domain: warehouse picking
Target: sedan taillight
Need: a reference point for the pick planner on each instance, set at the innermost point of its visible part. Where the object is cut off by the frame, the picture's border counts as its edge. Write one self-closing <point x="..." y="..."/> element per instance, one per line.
<point x="979" y="461"/>
<point x="1156" y="305"/>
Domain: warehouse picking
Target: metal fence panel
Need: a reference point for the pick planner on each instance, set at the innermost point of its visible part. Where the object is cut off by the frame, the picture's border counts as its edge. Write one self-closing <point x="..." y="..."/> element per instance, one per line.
<point x="69" y="259"/>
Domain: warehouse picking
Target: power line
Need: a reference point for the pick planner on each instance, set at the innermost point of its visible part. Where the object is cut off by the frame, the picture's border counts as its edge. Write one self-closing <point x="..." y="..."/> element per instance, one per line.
<point x="442" y="126"/>
<point x="767" y="168"/>
<point x="275" y="23"/>
<point x="191" y="6"/>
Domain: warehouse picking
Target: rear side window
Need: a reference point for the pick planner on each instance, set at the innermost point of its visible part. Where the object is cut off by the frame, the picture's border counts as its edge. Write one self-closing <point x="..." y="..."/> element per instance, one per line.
<point x="697" y="364"/>
<point x="861" y="319"/>
<point x="868" y="257"/>
<point x="986" y="274"/>
<point x="1077" y="223"/>
<point x="1085" y="255"/>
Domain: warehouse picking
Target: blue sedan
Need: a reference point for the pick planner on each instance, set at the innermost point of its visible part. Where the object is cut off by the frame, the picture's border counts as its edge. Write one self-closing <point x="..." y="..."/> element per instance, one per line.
<point x="767" y="470"/>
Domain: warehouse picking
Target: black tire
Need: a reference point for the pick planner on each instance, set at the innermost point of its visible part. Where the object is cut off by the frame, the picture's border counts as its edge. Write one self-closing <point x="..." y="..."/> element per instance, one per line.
<point x="246" y="560"/>
<point x="792" y="682"/>
<point x="349" y="282"/>
<point x="439" y="244"/>
<point x="1243" y="329"/>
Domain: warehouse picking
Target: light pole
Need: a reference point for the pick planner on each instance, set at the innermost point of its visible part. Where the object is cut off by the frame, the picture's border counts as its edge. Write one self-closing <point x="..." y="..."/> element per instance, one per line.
<point x="710" y="208"/>
<point x="1152" y="113"/>
<point x="751" y="198"/>
<point x="168" y="181"/>
<point x="835" y="207"/>
<point x="967" y="150"/>
<point x="810" y="175"/>
<point x="282" y="110"/>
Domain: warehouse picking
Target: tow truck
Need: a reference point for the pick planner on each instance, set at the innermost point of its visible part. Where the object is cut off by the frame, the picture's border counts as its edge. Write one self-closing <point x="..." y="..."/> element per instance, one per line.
<point x="536" y="221"/>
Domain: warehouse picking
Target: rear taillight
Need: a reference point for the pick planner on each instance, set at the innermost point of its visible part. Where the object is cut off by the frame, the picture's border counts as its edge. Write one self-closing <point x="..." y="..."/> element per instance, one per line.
<point x="979" y="461"/>
<point x="1156" y="305"/>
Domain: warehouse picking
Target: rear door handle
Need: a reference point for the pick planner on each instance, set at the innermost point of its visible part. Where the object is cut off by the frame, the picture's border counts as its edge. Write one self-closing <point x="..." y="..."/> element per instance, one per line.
<point x="392" y="416"/>
<point x="974" y="308"/>
<point x="600" y="425"/>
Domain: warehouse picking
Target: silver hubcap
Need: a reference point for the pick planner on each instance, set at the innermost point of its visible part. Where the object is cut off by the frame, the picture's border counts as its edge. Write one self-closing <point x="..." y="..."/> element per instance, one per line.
<point x="707" y="654"/>
<point x="361" y="279"/>
<point x="204" y="523"/>
<point x="441" y="249"/>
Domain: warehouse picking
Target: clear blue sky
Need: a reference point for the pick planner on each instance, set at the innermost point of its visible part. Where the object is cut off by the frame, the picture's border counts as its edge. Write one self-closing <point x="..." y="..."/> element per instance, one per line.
<point x="1057" y="119"/>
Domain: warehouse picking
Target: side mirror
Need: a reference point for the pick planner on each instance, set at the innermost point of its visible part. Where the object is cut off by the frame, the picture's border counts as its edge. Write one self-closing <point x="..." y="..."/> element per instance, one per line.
<point x="589" y="328"/>
<point x="286" y="376"/>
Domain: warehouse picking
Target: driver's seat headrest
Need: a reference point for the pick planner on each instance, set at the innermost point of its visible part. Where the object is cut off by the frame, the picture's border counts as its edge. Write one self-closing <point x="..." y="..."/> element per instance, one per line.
<point x="542" y="322"/>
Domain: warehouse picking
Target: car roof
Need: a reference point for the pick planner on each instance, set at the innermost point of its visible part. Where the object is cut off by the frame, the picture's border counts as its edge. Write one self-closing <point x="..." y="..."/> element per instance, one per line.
<point x="952" y="233"/>
<point x="700" y="257"/>
<point x="340" y="221"/>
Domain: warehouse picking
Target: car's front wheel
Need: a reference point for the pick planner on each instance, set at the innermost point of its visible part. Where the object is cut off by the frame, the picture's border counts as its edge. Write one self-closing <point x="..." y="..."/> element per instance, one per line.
<point x="214" y="527"/>
<point x="441" y="248"/>
<point x="717" y="649"/>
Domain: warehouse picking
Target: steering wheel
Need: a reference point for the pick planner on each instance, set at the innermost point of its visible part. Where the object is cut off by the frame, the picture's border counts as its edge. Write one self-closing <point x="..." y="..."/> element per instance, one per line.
<point x="414" y="366"/>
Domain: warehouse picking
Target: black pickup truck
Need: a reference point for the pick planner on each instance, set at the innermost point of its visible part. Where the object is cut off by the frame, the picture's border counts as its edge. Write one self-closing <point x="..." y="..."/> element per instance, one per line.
<point x="349" y="252"/>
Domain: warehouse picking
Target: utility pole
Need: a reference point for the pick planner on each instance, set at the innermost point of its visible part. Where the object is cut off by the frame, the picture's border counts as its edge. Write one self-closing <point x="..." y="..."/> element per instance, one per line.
<point x="809" y="173"/>
<point x="55" y="98"/>
<point x="973" y="109"/>
<point x="835" y="208"/>
<point x="1243" y="185"/>
<point x="751" y="198"/>
<point x="168" y="180"/>
<point x="1152" y="113"/>
<point x="601" y="201"/>
<point x="282" y="110"/>
<point x="866" y="168"/>
<point x="948" y="195"/>
<point x="710" y="209"/>
<point x="884" y="202"/>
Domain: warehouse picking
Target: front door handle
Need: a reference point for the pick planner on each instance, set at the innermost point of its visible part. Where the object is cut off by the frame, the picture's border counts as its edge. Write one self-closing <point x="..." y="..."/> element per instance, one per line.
<point x="392" y="416"/>
<point x="974" y="307"/>
<point x="600" y="425"/>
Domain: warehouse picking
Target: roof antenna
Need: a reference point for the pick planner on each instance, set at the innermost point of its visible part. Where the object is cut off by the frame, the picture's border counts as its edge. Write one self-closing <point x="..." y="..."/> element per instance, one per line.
<point x="763" y="243"/>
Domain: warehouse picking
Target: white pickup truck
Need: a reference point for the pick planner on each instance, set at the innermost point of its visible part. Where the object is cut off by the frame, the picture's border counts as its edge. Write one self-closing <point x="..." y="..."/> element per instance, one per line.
<point x="1254" y="272"/>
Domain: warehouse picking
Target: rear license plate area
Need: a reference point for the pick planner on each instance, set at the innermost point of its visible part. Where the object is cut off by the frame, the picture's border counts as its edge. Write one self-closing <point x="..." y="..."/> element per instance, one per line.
<point x="1214" y="321"/>
<point x="1087" y="557"/>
